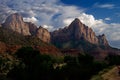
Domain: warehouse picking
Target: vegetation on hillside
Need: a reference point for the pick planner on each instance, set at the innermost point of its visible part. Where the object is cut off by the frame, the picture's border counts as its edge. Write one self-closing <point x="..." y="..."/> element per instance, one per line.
<point x="28" y="63"/>
<point x="13" y="38"/>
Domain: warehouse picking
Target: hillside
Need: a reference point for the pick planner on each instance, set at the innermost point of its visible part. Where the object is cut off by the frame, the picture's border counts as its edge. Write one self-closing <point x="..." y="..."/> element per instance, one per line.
<point x="110" y="74"/>
<point x="11" y="41"/>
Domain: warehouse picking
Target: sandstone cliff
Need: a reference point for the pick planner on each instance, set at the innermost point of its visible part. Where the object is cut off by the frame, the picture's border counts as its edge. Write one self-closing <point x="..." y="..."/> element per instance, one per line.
<point x="43" y="34"/>
<point x="81" y="31"/>
<point x="15" y="22"/>
<point x="32" y="28"/>
<point x="102" y="40"/>
<point x="78" y="31"/>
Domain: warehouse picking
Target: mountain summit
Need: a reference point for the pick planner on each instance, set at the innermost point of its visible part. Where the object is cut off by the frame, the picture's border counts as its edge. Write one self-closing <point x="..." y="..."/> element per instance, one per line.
<point x="77" y="31"/>
<point x="81" y="31"/>
<point x="15" y="23"/>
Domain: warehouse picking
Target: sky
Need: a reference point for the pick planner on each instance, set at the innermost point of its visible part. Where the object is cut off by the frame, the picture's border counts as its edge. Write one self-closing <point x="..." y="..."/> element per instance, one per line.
<point x="103" y="16"/>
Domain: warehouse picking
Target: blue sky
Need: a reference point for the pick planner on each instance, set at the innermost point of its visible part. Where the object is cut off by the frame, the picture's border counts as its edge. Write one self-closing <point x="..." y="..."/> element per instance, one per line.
<point x="107" y="10"/>
<point x="99" y="8"/>
<point x="103" y="16"/>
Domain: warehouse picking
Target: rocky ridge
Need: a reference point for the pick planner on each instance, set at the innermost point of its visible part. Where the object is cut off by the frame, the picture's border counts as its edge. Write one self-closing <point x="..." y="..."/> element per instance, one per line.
<point x="76" y="38"/>
<point x="78" y="31"/>
<point x="43" y="34"/>
<point x="75" y="31"/>
<point x="15" y="22"/>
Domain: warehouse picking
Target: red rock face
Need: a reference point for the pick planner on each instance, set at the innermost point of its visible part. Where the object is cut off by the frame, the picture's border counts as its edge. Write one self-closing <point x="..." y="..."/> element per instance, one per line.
<point x="77" y="31"/>
<point x="3" y="47"/>
<point x="50" y="50"/>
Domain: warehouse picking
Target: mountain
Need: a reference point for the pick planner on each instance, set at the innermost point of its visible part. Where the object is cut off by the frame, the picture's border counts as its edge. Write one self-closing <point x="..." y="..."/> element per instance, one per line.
<point x="15" y="33"/>
<point x="79" y="38"/>
<point x="77" y="31"/>
<point x="43" y="34"/>
<point x="15" y="23"/>
<point x="73" y="39"/>
<point x="11" y="41"/>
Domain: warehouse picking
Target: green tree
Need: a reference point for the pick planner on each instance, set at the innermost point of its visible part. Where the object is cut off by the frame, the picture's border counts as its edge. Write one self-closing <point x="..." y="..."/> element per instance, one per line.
<point x="33" y="65"/>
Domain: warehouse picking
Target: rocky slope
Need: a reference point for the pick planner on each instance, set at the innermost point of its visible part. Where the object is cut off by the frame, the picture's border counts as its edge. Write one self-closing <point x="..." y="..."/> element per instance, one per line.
<point x="110" y="74"/>
<point x="11" y="41"/>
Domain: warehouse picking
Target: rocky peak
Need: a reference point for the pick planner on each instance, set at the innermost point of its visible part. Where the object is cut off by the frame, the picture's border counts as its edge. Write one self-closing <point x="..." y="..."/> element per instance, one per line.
<point x="81" y="31"/>
<point x="14" y="17"/>
<point x="75" y="24"/>
<point x="76" y="21"/>
<point x="77" y="31"/>
<point x="43" y="34"/>
<point x="32" y="28"/>
<point x="102" y="40"/>
<point x="15" y="22"/>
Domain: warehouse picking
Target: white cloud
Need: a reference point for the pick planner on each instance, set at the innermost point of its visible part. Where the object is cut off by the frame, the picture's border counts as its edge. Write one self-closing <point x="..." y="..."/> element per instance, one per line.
<point x="113" y="31"/>
<point x="67" y="21"/>
<point x="107" y="6"/>
<point x="107" y="19"/>
<point x="48" y="27"/>
<point x="32" y="19"/>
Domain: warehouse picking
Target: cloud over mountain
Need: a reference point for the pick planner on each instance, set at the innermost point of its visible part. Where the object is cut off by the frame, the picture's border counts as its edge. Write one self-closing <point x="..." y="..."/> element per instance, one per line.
<point x="54" y="14"/>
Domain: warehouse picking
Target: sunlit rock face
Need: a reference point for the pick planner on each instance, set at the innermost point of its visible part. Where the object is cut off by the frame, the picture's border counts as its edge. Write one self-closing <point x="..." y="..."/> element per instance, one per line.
<point x="43" y="34"/>
<point x="78" y="31"/>
<point x="15" y="22"/>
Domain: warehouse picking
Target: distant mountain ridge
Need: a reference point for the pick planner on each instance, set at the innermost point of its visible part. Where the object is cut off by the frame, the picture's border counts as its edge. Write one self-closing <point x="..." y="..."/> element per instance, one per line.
<point x="76" y="30"/>
<point x="76" y="38"/>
